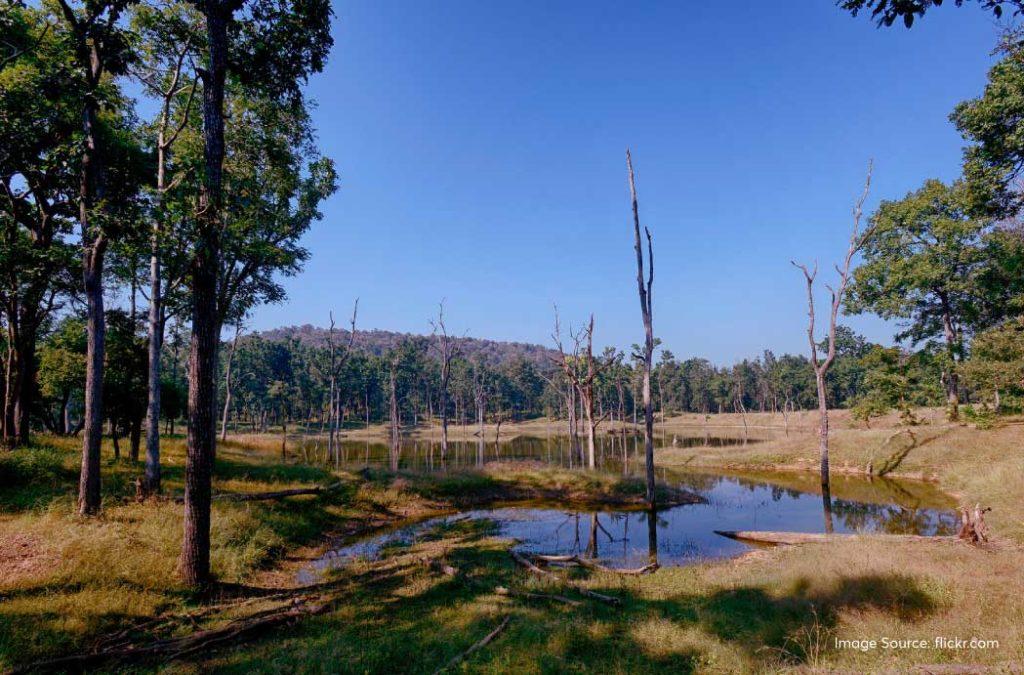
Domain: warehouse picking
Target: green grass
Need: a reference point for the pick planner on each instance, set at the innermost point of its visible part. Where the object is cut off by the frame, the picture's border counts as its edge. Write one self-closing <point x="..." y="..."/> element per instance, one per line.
<point x="68" y="580"/>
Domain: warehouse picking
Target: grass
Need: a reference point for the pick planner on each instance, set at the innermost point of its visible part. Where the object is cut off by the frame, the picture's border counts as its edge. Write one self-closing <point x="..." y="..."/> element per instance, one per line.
<point x="67" y="580"/>
<point x="64" y="579"/>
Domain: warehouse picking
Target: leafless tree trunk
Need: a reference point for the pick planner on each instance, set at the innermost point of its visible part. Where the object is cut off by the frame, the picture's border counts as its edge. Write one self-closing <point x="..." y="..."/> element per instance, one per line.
<point x="227" y="383"/>
<point x="644" y="290"/>
<point x="821" y="366"/>
<point x="581" y="378"/>
<point x="447" y="348"/>
<point x="396" y="438"/>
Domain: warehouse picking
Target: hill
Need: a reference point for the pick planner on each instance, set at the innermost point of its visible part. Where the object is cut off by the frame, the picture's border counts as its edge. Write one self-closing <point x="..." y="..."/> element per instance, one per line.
<point x="377" y="342"/>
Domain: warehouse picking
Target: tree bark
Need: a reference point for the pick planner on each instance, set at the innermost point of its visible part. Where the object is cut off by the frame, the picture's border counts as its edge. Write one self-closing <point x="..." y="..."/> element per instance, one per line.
<point x="194" y="563"/>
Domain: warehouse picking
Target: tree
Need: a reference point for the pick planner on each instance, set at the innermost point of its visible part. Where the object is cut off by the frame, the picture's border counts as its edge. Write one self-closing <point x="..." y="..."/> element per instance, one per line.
<point x="99" y="51"/>
<point x="646" y="311"/>
<point x="168" y="39"/>
<point x="447" y="348"/>
<point x="886" y="12"/>
<point x="125" y="382"/>
<point x="922" y="264"/>
<point x="62" y="371"/>
<point x="39" y="118"/>
<point x="280" y="43"/>
<point x="997" y="360"/>
<point x="821" y="366"/>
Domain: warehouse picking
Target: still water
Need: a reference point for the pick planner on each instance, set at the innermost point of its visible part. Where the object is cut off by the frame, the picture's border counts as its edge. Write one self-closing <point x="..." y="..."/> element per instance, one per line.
<point x="618" y="453"/>
<point x="685" y="534"/>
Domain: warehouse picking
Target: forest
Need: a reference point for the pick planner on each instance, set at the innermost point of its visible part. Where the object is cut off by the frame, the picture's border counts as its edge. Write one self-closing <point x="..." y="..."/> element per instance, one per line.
<point x="160" y="173"/>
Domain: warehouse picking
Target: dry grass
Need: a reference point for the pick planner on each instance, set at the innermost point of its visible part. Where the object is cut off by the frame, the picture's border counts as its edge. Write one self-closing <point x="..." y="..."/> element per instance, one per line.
<point x="780" y="609"/>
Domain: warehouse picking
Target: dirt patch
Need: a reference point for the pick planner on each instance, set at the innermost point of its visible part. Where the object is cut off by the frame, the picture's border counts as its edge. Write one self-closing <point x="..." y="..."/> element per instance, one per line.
<point x="23" y="557"/>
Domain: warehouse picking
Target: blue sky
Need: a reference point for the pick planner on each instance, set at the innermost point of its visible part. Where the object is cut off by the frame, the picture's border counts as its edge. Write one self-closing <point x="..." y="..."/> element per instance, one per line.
<point x="481" y="151"/>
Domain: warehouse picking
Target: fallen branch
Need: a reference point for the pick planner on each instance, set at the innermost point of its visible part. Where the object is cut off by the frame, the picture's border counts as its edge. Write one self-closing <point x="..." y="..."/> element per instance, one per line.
<point x="508" y="592"/>
<point x="479" y="645"/>
<point x="262" y="496"/>
<point x="791" y="538"/>
<point x="590" y="564"/>
<point x="551" y="575"/>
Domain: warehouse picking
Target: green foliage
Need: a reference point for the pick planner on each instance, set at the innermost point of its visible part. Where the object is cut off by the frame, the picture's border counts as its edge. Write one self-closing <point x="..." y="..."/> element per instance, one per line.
<point x="997" y="360"/>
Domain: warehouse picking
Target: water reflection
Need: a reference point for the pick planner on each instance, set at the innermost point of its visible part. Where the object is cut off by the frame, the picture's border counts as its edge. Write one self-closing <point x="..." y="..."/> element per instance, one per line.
<point x="685" y="534"/>
<point x="620" y="453"/>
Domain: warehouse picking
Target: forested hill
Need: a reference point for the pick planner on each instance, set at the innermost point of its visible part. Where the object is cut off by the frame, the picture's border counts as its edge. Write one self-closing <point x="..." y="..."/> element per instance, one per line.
<point x="377" y="342"/>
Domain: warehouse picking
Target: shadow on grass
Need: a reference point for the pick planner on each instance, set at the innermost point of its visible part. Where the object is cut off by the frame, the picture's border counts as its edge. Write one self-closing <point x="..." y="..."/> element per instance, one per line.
<point x="418" y="620"/>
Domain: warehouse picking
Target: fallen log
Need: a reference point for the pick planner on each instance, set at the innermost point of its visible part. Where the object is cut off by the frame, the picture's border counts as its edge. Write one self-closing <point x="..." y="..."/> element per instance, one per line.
<point x="262" y="496"/>
<point x="479" y="645"/>
<point x="551" y="575"/>
<point x="590" y="564"/>
<point x="508" y="592"/>
<point x="793" y="538"/>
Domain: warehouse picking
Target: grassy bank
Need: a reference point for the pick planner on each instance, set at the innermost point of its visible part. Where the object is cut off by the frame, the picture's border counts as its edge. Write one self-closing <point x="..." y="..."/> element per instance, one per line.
<point x="66" y="580"/>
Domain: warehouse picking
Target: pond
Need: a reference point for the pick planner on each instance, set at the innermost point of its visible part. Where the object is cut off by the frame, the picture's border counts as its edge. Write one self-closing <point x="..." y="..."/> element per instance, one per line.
<point x="618" y="453"/>
<point x="685" y="534"/>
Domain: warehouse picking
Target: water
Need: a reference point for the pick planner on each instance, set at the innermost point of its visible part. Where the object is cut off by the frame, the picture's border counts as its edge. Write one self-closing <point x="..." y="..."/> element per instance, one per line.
<point x="685" y="534"/>
<point x="617" y="453"/>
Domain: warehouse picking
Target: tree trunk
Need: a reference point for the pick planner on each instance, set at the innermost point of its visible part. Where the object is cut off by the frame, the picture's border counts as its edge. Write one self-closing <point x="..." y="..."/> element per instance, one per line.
<point x="646" y="306"/>
<point x="92" y="272"/>
<point x="156" y="338"/>
<point x="227" y="386"/>
<point x="195" y="553"/>
<point x="826" y="493"/>
<point x="134" y="438"/>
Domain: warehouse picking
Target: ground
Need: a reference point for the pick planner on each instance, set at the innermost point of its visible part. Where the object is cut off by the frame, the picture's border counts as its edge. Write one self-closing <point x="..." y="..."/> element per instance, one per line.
<point x="66" y="582"/>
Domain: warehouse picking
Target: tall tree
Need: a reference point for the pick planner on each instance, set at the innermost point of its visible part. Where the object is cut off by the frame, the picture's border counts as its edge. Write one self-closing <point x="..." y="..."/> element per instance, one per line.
<point x="39" y="119"/>
<point x="644" y="290"/>
<point x="923" y="264"/>
<point x="169" y="42"/>
<point x="100" y="52"/>
<point x="279" y="42"/>
<point x="821" y="366"/>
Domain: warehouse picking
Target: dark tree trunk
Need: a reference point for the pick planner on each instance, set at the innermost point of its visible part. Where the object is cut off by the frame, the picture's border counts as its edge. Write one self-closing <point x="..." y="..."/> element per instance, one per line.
<point x="202" y="396"/>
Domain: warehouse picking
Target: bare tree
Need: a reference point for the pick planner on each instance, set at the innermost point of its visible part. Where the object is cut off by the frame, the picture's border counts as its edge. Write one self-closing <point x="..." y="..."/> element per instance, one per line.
<point x="335" y="364"/>
<point x="396" y="437"/>
<point x="821" y="366"/>
<point x="447" y="348"/>
<point x="644" y="289"/>
<point x="227" y="382"/>
<point x="581" y="370"/>
<point x="480" y="399"/>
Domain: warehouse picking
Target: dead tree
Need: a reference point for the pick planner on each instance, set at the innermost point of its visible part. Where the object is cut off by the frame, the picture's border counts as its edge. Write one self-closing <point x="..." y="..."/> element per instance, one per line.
<point x="821" y="366"/>
<point x="480" y="399"/>
<point x="335" y="364"/>
<point x="646" y="305"/>
<point x="581" y="370"/>
<point x="227" y="383"/>
<point x="447" y="348"/>
<point x="396" y="438"/>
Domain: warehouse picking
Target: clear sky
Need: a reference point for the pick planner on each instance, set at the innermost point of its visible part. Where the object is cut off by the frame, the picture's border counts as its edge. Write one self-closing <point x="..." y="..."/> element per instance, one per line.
<point x="481" y="151"/>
